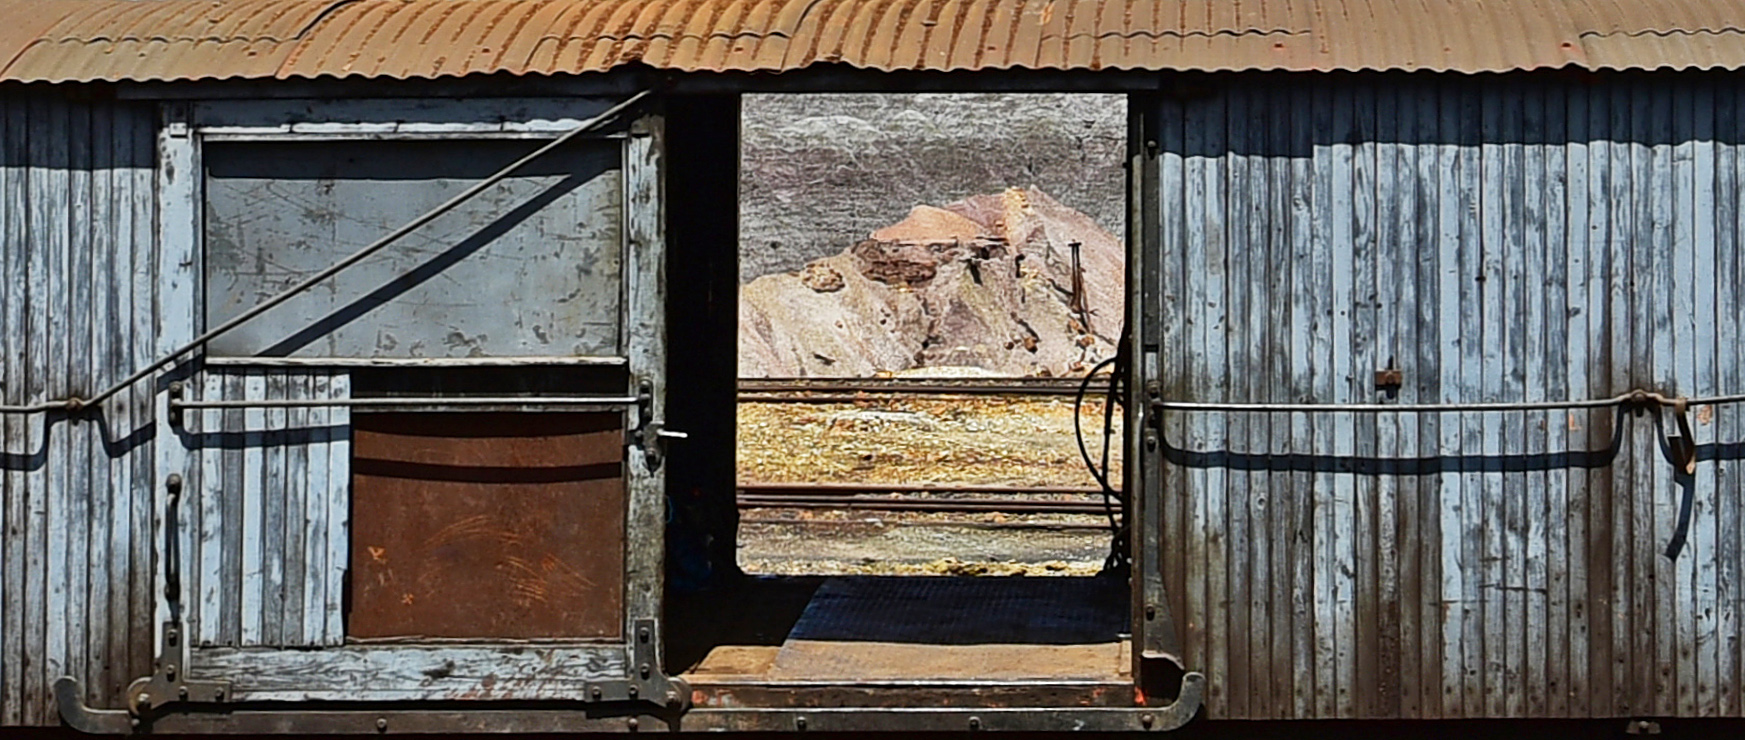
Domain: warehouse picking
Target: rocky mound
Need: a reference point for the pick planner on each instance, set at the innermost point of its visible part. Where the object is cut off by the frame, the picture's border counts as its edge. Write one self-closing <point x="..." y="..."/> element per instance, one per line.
<point x="987" y="282"/>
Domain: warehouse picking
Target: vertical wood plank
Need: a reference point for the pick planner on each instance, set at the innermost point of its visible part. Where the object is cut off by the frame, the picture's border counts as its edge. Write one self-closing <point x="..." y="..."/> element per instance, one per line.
<point x="1574" y="700"/>
<point x="1322" y="550"/>
<point x="1282" y="348"/>
<point x="314" y="561"/>
<point x="1200" y="537"/>
<point x="1527" y="292"/>
<point x="1551" y="342"/>
<point x="1471" y="386"/>
<point x="1698" y="219"/>
<point x="98" y="277"/>
<point x="236" y="503"/>
<point x="1726" y="317"/>
<point x="253" y="575"/>
<point x="295" y="519"/>
<point x="1236" y="191"/>
<point x="1430" y="366"/>
<point x="645" y="333"/>
<point x="14" y="143"/>
<point x="1627" y="629"/>
<point x="1305" y="614"/>
<point x="338" y="508"/>
<point x="1359" y="643"/>
<point x="271" y="534"/>
<point x="1679" y="591"/>
<point x="1213" y="318"/>
<point x="48" y="180"/>
<point x="177" y="285"/>
<point x="1172" y="215"/>
<point x="213" y="505"/>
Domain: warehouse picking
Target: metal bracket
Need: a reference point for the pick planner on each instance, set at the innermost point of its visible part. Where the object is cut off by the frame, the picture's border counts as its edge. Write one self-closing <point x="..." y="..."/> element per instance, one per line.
<point x="651" y="431"/>
<point x="168" y="684"/>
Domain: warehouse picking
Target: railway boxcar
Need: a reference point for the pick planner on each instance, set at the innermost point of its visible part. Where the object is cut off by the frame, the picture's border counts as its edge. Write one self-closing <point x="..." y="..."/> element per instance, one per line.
<point x="367" y="367"/>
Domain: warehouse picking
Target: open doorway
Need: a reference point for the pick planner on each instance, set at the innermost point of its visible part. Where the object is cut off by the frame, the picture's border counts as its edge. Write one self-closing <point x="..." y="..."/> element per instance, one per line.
<point x="926" y="281"/>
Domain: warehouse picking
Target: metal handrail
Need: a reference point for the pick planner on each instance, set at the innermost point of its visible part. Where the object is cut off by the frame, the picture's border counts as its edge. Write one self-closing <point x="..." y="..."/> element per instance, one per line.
<point x="1634" y="398"/>
<point x="400" y="401"/>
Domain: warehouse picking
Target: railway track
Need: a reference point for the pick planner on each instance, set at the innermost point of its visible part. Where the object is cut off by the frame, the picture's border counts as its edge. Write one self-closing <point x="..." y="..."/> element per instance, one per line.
<point x="901" y="497"/>
<point x="847" y="390"/>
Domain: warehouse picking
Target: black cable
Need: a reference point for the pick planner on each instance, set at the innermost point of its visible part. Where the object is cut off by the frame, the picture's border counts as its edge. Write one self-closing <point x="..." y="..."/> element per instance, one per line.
<point x="1117" y="527"/>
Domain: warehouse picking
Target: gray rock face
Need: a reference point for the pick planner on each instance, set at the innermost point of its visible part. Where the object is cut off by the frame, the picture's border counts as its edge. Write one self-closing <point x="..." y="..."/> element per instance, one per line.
<point x="820" y="172"/>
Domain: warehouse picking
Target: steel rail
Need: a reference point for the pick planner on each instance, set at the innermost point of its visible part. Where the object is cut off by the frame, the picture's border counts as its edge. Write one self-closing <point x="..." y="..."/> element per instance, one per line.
<point x="398" y="401"/>
<point x="909" y="503"/>
<point x="75" y="403"/>
<point x="798" y="390"/>
<point x="852" y="488"/>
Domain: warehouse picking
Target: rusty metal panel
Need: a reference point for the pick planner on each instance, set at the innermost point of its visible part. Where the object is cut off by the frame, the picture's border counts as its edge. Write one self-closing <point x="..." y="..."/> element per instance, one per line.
<point x="89" y="40"/>
<point x="1483" y="240"/>
<point x="487" y="526"/>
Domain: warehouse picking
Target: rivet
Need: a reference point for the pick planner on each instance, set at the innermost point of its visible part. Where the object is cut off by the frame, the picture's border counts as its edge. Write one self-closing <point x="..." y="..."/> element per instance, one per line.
<point x="182" y="692"/>
<point x="799" y="723"/>
<point x="1150" y="611"/>
<point x="633" y="723"/>
<point x="642" y="634"/>
<point x="1146" y="719"/>
<point x="643" y="669"/>
<point x="381" y="724"/>
<point x="594" y="691"/>
<point x="633" y="692"/>
<point x="144" y="699"/>
<point x="672" y="699"/>
<point x="975" y="723"/>
<point x="218" y="694"/>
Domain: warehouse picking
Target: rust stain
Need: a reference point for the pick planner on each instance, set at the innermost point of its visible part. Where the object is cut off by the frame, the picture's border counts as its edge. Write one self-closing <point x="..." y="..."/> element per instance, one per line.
<point x="106" y="40"/>
<point x="505" y="525"/>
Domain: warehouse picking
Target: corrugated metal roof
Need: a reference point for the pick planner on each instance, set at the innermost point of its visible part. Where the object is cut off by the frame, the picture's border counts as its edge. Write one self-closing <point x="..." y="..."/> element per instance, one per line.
<point x="89" y="40"/>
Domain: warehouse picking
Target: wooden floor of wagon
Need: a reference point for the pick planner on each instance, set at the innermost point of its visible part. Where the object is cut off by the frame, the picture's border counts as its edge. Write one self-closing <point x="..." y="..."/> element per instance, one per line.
<point x="903" y="630"/>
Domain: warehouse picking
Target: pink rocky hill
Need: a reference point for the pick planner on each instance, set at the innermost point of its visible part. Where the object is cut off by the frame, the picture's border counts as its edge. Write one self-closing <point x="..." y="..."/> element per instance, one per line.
<point x="986" y="282"/>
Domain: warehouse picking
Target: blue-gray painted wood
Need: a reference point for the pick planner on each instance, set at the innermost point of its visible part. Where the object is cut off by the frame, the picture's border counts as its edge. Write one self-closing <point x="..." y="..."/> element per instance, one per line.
<point x="76" y="189"/>
<point x="529" y="268"/>
<point x="1505" y="239"/>
<point x="270" y="549"/>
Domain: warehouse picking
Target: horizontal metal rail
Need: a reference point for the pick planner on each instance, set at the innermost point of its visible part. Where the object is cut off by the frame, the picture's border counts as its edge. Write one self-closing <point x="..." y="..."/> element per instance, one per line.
<point x="1633" y="398"/>
<point x="75" y="403"/>
<point x="403" y="401"/>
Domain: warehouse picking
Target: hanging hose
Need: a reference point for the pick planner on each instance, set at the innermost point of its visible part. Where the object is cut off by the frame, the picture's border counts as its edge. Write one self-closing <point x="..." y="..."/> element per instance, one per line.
<point x="1118" y="546"/>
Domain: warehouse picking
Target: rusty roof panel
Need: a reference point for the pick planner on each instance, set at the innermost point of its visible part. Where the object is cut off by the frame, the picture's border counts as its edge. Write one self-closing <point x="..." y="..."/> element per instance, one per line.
<point x="140" y="40"/>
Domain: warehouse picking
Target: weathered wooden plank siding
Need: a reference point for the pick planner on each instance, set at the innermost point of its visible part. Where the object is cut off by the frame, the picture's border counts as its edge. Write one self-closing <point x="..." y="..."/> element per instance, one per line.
<point x="269" y="523"/>
<point x="76" y="215"/>
<point x="1496" y="239"/>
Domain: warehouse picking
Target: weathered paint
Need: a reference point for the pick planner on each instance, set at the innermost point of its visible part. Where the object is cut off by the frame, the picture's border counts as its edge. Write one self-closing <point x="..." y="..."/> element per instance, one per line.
<point x="242" y="539"/>
<point x="1496" y="239"/>
<point x="76" y="215"/>
<point x="528" y="268"/>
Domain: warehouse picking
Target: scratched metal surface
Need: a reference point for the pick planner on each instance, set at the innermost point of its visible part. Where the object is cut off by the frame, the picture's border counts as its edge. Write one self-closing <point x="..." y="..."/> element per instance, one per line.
<point x="1493" y="239"/>
<point x="487" y="526"/>
<point x="528" y="268"/>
